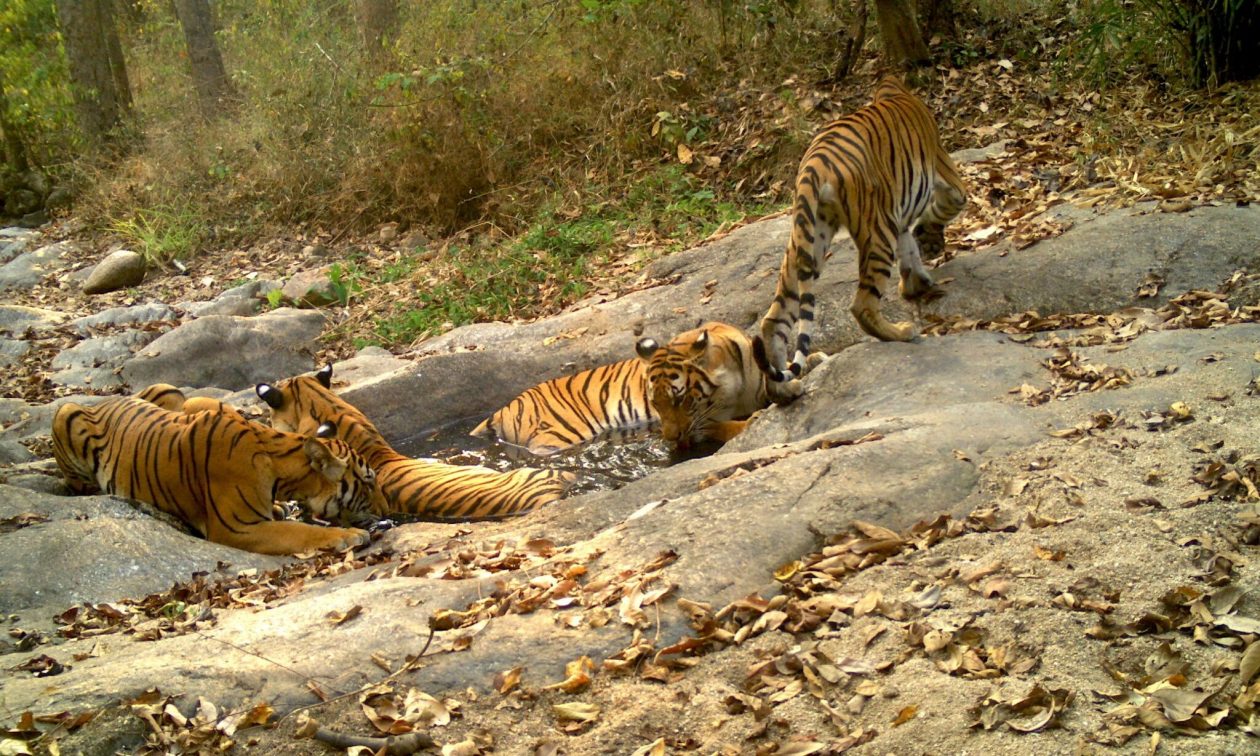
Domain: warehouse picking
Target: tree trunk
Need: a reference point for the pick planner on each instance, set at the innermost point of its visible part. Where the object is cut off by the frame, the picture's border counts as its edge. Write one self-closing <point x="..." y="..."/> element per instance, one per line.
<point x="378" y="23"/>
<point x="214" y="90"/>
<point x="97" y="70"/>
<point x="937" y="18"/>
<point x="899" y="30"/>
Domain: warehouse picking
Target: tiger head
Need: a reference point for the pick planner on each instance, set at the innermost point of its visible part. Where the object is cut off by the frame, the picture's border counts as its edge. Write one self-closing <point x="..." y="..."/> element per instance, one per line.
<point x="343" y="481"/>
<point x="703" y="384"/>
<point x="301" y="403"/>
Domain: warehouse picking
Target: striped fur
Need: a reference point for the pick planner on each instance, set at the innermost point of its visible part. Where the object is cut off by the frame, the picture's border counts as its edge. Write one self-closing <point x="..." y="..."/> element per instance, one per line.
<point x="704" y="384"/>
<point x="567" y="411"/>
<point x="876" y="172"/>
<point x="425" y="488"/>
<point x="214" y="470"/>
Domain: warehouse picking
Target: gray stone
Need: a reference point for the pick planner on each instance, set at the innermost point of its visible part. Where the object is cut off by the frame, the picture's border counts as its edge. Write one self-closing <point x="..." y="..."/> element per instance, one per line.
<point x="151" y="312"/>
<point x="59" y="198"/>
<point x="16" y="319"/>
<point x="11" y="351"/>
<point x="118" y="270"/>
<point x="11" y="247"/>
<point x="20" y="202"/>
<point x="95" y="362"/>
<point x="13" y="452"/>
<point x="243" y="300"/>
<point x="33" y="219"/>
<point x="310" y="288"/>
<point x="28" y="269"/>
<point x="228" y="352"/>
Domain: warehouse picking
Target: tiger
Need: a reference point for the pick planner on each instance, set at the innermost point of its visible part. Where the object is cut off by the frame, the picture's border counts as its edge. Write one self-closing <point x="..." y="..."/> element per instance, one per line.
<point x="215" y="471"/>
<point x="170" y="398"/>
<point x="427" y="489"/>
<point x="876" y="172"/>
<point x="704" y="385"/>
<point x="564" y="412"/>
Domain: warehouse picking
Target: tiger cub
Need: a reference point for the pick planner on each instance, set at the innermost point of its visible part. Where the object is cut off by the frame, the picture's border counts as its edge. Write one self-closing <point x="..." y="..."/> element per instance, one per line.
<point x="703" y="384"/>
<point x="876" y="172"/>
<point x="426" y="488"/>
<point x="214" y="470"/>
<point x="563" y="412"/>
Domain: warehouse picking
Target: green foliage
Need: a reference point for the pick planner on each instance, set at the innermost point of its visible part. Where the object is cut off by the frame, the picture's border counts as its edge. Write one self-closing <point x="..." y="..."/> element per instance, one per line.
<point x="274" y="298"/>
<point x="36" y="95"/>
<point x="162" y="234"/>
<point x="345" y="281"/>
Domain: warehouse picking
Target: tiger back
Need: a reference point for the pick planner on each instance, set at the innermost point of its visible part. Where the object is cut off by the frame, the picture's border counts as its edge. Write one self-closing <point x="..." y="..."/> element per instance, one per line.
<point x="427" y="489"/>
<point x="877" y="172"/>
<point x="564" y="412"/>
<point x="215" y="471"/>
<point x="703" y="384"/>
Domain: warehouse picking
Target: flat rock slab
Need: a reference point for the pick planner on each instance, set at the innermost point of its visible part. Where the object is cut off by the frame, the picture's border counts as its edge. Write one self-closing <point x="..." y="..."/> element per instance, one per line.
<point x="229" y="352"/>
<point x="29" y="268"/>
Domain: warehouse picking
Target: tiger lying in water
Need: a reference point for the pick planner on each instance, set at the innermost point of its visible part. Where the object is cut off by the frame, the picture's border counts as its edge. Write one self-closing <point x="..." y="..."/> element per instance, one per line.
<point x="429" y="489"/>
<point x="564" y="412"/>
<point x="704" y="384"/>
<point x="213" y="469"/>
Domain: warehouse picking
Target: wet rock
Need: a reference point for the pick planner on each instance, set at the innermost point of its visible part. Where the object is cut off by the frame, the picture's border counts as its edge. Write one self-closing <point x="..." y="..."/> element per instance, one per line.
<point x="118" y="270"/>
<point x="229" y="352"/>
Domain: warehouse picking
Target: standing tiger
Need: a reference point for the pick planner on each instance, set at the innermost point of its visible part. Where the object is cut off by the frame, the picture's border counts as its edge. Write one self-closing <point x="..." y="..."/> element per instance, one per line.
<point x="432" y="490"/>
<point x="214" y="470"/>
<point x="563" y="412"/>
<point x="703" y="384"/>
<point x="875" y="172"/>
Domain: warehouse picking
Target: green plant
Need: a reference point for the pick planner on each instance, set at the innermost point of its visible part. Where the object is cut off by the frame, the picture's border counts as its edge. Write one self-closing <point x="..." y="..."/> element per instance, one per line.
<point x="345" y="281"/>
<point x="163" y="233"/>
<point x="274" y="298"/>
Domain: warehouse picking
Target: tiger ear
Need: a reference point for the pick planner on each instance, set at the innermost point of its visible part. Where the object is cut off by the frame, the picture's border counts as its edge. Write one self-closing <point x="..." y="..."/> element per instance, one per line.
<point x="324" y="376"/>
<point x="646" y="347"/>
<point x="326" y="430"/>
<point x="702" y="341"/>
<point x="322" y="460"/>
<point x="270" y="394"/>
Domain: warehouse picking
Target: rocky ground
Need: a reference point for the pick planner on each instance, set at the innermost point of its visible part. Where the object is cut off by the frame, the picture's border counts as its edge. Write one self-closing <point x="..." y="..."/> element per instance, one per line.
<point x="1035" y="529"/>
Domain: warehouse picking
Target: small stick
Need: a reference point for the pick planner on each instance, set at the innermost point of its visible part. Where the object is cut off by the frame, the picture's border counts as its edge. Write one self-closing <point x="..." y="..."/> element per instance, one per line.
<point x="394" y="745"/>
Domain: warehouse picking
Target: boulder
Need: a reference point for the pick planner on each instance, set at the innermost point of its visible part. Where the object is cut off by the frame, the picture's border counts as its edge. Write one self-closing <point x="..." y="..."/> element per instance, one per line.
<point x="141" y="314"/>
<point x="16" y="320"/>
<point x="119" y="269"/>
<point x="311" y="288"/>
<point x="243" y="300"/>
<point x="94" y="363"/>
<point x="228" y="352"/>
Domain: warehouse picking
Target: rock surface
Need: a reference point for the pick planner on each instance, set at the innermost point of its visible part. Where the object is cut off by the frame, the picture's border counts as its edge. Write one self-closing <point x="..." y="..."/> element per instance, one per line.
<point x="886" y="433"/>
<point x="119" y="269"/>
<point x="228" y="352"/>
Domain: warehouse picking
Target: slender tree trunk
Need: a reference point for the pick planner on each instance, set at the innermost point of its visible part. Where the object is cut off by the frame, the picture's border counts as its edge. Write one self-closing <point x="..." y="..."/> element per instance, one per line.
<point x="117" y="64"/>
<point x="214" y="90"/>
<point x="378" y="24"/>
<point x="899" y="30"/>
<point x="99" y="76"/>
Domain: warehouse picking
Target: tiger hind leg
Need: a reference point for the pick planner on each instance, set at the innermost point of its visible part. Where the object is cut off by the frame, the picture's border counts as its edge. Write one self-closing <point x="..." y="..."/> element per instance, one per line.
<point x="875" y="260"/>
<point x="948" y="200"/>
<point x="915" y="281"/>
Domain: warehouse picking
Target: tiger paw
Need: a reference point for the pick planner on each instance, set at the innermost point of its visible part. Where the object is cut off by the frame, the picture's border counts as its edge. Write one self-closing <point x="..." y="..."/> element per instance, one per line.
<point x="874" y="324"/>
<point x="931" y="239"/>
<point x="814" y="360"/>
<point x="784" y="392"/>
<point x="341" y="539"/>
<point x="917" y="285"/>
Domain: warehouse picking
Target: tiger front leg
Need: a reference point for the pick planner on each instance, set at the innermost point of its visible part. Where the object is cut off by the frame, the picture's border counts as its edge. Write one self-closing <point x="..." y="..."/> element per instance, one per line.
<point x="288" y="538"/>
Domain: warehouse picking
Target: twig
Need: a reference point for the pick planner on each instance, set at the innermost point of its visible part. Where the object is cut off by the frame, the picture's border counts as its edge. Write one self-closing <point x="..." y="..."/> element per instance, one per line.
<point x="409" y="666"/>
<point x="394" y="745"/>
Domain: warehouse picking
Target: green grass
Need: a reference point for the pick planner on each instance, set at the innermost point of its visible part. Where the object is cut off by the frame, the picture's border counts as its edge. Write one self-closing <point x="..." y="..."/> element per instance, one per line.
<point x="163" y="233"/>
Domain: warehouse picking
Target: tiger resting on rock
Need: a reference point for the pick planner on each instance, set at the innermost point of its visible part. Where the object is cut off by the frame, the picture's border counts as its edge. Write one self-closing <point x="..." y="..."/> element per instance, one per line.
<point x="877" y="172"/>
<point x="428" y="489"/>
<point x="213" y="469"/>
